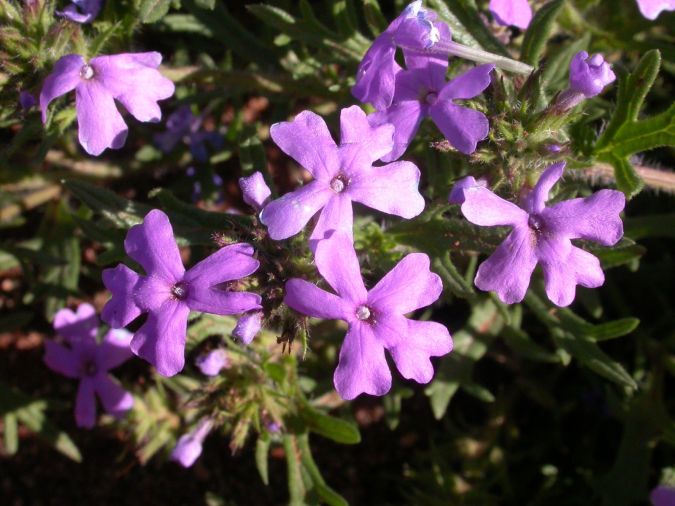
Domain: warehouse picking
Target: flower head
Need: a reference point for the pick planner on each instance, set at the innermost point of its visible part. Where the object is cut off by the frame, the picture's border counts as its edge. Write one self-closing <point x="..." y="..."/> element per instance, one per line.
<point x="184" y="126"/>
<point x="342" y="174"/>
<point x="255" y="191"/>
<point x="248" y="327"/>
<point x="82" y="11"/>
<point x="82" y="358"/>
<point x="590" y="74"/>
<point x="511" y="12"/>
<point x="544" y="235"/>
<point x="375" y="317"/>
<point x="130" y="78"/>
<point x="423" y="91"/>
<point x="168" y="292"/>
<point x="211" y="363"/>
<point x="189" y="446"/>
<point x="652" y="8"/>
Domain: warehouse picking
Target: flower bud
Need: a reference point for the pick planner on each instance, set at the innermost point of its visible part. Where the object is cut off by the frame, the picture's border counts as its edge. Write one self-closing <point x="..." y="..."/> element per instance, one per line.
<point x="589" y="74"/>
<point x="189" y="446"/>
<point x="248" y="326"/>
<point x="255" y="191"/>
<point x="212" y="362"/>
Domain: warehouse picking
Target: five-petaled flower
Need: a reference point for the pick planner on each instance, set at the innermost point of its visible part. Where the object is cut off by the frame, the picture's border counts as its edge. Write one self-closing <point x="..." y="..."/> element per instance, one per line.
<point x="183" y="125"/>
<point x="375" y="317"/>
<point x="168" y="292"/>
<point x="130" y="78"/>
<point x="544" y="235"/>
<point x="83" y="358"/>
<point x="342" y="174"/>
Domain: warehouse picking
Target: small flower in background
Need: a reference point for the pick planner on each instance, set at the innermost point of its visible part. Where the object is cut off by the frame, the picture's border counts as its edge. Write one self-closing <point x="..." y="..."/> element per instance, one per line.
<point x="131" y="78"/>
<point x="516" y="13"/>
<point x="423" y="91"/>
<point x="457" y="193"/>
<point x="184" y="126"/>
<point x="652" y="8"/>
<point x="189" y="446"/>
<point x="248" y="327"/>
<point x="83" y="358"/>
<point x="212" y="362"/>
<point x="588" y="77"/>
<point x="255" y="191"/>
<point x="544" y="235"/>
<point x="27" y="100"/>
<point x="168" y="293"/>
<point x="273" y="427"/>
<point x="414" y="30"/>
<point x="342" y="174"/>
<point x="663" y="495"/>
<point x="197" y="190"/>
<point x="81" y="11"/>
<point x="375" y="318"/>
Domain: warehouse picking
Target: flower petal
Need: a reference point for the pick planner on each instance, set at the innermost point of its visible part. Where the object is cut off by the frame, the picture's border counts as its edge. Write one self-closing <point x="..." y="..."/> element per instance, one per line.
<point x="456" y="195"/>
<point x="374" y="141"/>
<point x="115" y="399"/>
<point x="483" y="207"/>
<point x="64" y="78"/>
<point x="307" y="140"/>
<point x="161" y="339"/>
<point x="511" y="12"/>
<point x="220" y="301"/>
<point x="470" y="84"/>
<point x="337" y="216"/>
<point x="61" y="359"/>
<point x="417" y="58"/>
<point x="461" y="126"/>
<point x="308" y="299"/>
<point x="248" y="327"/>
<point x="376" y="75"/>
<point x="362" y="367"/>
<point x="337" y="262"/>
<point x="651" y="10"/>
<point x="255" y="191"/>
<point x="121" y="309"/>
<point x="85" y="404"/>
<point x="79" y="325"/>
<point x="153" y="246"/>
<point x="99" y="124"/>
<point x="535" y="202"/>
<point x="114" y="350"/>
<point x="406" y="117"/>
<point x="228" y="263"/>
<point x="410" y="285"/>
<point x="508" y="270"/>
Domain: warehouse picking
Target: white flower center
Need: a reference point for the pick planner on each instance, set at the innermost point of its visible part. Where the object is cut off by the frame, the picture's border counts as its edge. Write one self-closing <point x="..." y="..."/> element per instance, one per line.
<point x="87" y="71"/>
<point x="338" y="184"/>
<point x="363" y="313"/>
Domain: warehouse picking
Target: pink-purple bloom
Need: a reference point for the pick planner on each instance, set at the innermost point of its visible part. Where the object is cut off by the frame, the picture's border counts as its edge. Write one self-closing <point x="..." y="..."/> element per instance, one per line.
<point x="544" y="235"/>
<point x="423" y="91"/>
<point x="342" y="174"/>
<point x="255" y="191"/>
<point x="81" y="357"/>
<point x="189" y="446"/>
<point x="375" y="317"/>
<point x="167" y="292"/>
<point x="212" y="362"/>
<point x="248" y="327"/>
<point x="82" y="11"/>
<point x="183" y="125"/>
<point x="414" y="30"/>
<point x="590" y="74"/>
<point x="130" y="78"/>
<point x="663" y="496"/>
<point x="652" y="8"/>
<point x="511" y="12"/>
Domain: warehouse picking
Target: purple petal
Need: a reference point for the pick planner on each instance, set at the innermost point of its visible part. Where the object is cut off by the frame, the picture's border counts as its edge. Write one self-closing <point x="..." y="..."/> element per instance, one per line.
<point x="121" y="309"/>
<point x="417" y="58"/>
<point x="286" y="216"/>
<point x="227" y="264"/>
<point x="651" y="9"/>
<point x="114" y="350"/>
<point x="161" y="339"/>
<point x="482" y="207"/>
<point x="153" y="246"/>
<point x="211" y="363"/>
<point x="536" y="199"/>
<point x="461" y="126"/>
<point x="511" y="12"/>
<point x="308" y="299"/>
<point x="362" y="367"/>
<point x="82" y="11"/>
<point x="374" y="141"/>
<point x="116" y="401"/>
<point x="406" y="117"/>
<point x="589" y="74"/>
<point x="337" y="216"/>
<point x="99" y="124"/>
<point x="61" y="359"/>
<point x="26" y="100"/>
<point x="337" y="262"/>
<point x="307" y="140"/>
<point x="64" y="78"/>
<point x="151" y="292"/>
<point x="376" y="75"/>
<point x="255" y="191"/>
<point x="420" y="84"/>
<point x="595" y="218"/>
<point x="457" y="193"/>
<point x="215" y="300"/>
<point x="662" y="495"/>
<point x="508" y="270"/>
<point x="85" y="404"/>
<point x="421" y="341"/>
<point x="79" y="325"/>
<point x="189" y="446"/>
<point x="470" y="84"/>
<point x="410" y="285"/>
<point x="392" y="189"/>
<point x="248" y="327"/>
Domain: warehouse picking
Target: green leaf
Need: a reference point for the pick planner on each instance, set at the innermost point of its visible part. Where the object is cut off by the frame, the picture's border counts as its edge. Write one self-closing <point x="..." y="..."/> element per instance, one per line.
<point x="650" y="133"/>
<point x="262" y="448"/>
<point x="11" y="433"/>
<point x="376" y="22"/>
<point x="296" y="486"/>
<point x="626" y="252"/>
<point x="599" y="332"/>
<point x="539" y="31"/>
<point x="452" y="278"/>
<point x="520" y="342"/>
<point x="151" y="11"/>
<point x="340" y="431"/>
<point x="325" y="493"/>
<point x="655" y="225"/>
<point x="206" y="4"/>
<point x="556" y="65"/>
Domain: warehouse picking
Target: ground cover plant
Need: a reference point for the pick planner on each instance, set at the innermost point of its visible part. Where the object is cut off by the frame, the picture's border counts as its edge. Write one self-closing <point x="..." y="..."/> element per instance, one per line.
<point x="337" y="252"/>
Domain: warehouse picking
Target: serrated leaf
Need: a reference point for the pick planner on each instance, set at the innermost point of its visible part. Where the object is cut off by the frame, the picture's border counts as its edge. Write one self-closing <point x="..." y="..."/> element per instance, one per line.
<point x="539" y="31"/>
<point x="151" y="11"/>
<point x="340" y="431"/>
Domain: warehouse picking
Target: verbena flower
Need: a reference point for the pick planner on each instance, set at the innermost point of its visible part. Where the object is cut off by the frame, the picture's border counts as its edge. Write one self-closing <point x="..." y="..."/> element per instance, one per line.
<point x="342" y="174"/>
<point x="652" y="8"/>
<point x="82" y="11"/>
<point x="212" y="362"/>
<point x="248" y="327"/>
<point x="375" y="318"/>
<point x="189" y="446"/>
<point x="511" y="12"/>
<point x="26" y="100"/>
<point x="414" y="29"/>
<point x="544" y="235"/>
<point x="456" y="195"/>
<point x="255" y="191"/>
<point x="662" y="496"/>
<point x="183" y="125"/>
<point x="81" y="357"/>
<point x="168" y="292"/>
<point x="422" y="92"/>
<point x="130" y="78"/>
<point x="588" y="77"/>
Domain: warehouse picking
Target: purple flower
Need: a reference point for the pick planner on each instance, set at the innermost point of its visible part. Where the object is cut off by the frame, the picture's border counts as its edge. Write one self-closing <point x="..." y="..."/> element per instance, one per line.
<point x="590" y="75"/>
<point x="26" y="100"/>
<point x="375" y="318"/>
<point x="511" y="12"/>
<point x="414" y="30"/>
<point x="422" y="92"/>
<point x="342" y="174"/>
<point x="211" y="363"/>
<point x="90" y="362"/>
<point x="457" y="193"/>
<point x="255" y="191"/>
<point x="248" y="327"/>
<point x="544" y="235"/>
<point x="184" y="126"/>
<point x="189" y="446"/>
<point x="130" y="78"/>
<point x="168" y="293"/>
<point x="662" y="496"/>
<point x="82" y="11"/>
<point x="652" y="8"/>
